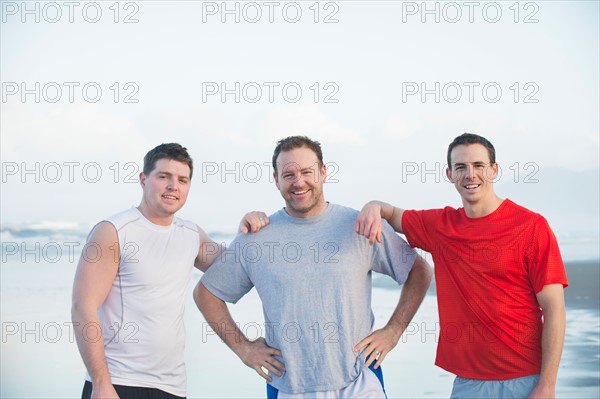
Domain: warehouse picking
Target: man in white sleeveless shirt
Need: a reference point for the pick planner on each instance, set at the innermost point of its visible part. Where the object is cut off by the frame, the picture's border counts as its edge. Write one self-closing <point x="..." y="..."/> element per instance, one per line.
<point x="131" y="282"/>
<point x="313" y="275"/>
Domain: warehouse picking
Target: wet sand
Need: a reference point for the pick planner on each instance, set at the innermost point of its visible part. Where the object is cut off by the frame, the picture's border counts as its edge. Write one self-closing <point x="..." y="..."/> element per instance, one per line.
<point x="37" y="298"/>
<point x="584" y="285"/>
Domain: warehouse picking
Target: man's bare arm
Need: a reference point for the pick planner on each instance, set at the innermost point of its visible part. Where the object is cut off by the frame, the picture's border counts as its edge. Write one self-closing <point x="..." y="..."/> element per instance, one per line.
<point x="255" y="354"/>
<point x="95" y="274"/>
<point x="380" y="342"/>
<point x="552" y="301"/>
<point x="208" y="252"/>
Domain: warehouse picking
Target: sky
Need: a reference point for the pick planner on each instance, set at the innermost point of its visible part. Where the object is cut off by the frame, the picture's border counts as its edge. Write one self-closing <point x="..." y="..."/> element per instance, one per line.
<point x="89" y="87"/>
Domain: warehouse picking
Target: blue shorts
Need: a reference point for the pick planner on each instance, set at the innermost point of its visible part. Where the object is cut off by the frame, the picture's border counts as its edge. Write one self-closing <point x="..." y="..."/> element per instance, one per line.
<point x="272" y="392"/>
<point x="513" y="388"/>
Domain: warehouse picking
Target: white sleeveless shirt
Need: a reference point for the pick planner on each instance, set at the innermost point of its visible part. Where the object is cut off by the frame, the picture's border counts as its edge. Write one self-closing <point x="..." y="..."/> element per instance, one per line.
<point x="142" y="317"/>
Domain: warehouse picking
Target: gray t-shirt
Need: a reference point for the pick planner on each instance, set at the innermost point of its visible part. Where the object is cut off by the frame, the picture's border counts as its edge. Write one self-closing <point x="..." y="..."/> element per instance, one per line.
<point x="313" y="276"/>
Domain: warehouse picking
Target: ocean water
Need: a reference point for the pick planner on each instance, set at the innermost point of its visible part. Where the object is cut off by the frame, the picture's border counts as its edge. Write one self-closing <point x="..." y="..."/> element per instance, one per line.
<point x="38" y="343"/>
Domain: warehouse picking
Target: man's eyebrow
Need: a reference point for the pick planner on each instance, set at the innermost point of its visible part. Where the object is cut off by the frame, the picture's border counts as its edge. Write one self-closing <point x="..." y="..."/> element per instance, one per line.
<point x="293" y="170"/>
<point x="162" y="172"/>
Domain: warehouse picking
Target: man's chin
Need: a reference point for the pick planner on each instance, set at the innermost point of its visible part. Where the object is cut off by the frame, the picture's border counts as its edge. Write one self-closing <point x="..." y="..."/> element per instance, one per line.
<point x="300" y="210"/>
<point x="171" y="210"/>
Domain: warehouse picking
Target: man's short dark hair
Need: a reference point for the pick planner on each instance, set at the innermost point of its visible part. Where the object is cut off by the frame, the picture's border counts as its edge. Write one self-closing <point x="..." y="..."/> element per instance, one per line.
<point x="171" y="151"/>
<point x="470" y="138"/>
<point x="289" y="143"/>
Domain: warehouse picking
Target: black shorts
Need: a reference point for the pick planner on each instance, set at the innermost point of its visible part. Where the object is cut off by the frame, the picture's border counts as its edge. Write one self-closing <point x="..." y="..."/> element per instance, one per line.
<point x="126" y="392"/>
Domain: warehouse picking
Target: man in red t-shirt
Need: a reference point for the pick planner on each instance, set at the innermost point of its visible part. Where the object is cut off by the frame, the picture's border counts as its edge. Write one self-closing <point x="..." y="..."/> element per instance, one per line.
<point x="499" y="279"/>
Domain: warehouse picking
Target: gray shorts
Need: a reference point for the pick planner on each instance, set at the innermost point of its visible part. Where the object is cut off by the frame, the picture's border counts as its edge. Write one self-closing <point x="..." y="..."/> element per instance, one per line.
<point x="513" y="388"/>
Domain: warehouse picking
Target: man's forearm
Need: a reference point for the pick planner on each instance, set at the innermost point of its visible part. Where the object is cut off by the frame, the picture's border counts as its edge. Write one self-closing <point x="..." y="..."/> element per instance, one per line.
<point x="553" y="336"/>
<point x="90" y="341"/>
<point x="551" y="300"/>
<point x="412" y="295"/>
<point x="255" y="354"/>
<point x="392" y="214"/>
<point x="380" y="342"/>
<point x="217" y="315"/>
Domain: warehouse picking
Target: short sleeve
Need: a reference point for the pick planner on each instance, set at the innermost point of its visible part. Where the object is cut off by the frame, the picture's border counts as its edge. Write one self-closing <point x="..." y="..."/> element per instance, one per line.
<point x="542" y="257"/>
<point x="418" y="227"/>
<point x="227" y="278"/>
<point x="393" y="256"/>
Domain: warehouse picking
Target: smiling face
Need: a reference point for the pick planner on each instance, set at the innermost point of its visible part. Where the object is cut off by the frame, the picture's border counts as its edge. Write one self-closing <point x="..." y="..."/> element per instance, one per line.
<point x="472" y="173"/>
<point x="165" y="190"/>
<point x="300" y="179"/>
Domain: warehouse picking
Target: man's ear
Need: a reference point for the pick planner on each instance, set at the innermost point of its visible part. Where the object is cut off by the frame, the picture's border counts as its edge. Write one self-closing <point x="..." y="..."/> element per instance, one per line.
<point x="494" y="175"/>
<point x="449" y="175"/>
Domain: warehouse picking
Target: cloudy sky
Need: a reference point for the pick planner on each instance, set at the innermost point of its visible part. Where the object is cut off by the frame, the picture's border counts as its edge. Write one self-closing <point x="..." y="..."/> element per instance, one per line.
<point x="89" y="87"/>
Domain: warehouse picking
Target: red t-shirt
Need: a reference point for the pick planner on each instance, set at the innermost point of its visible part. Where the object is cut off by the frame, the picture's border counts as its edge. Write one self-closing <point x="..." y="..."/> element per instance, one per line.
<point x="488" y="271"/>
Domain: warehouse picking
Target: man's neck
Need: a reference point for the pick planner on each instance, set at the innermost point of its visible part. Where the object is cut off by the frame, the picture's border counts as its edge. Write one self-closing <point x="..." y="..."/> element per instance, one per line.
<point x="482" y="208"/>
<point x="319" y="210"/>
<point x="156" y="219"/>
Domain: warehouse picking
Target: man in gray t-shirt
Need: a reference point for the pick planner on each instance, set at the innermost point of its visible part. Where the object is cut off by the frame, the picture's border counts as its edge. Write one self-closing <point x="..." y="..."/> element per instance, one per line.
<point x="313" y="275"/>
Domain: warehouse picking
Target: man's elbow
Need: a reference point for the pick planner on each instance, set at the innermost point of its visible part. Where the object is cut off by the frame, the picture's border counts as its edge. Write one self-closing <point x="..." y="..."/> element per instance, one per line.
<point x="201" y="264"/>
<point x="82" y="309"/>
<point x="75" y="310"/>
<point x="202" y="297"/>
<point x="422" y="270"/>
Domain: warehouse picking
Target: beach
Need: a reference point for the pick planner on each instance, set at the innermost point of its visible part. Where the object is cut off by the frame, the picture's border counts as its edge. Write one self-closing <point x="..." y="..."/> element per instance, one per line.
<point x="584" y="277"/>
<point x="580" y="364"/>
<point x="39" y="357"/>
